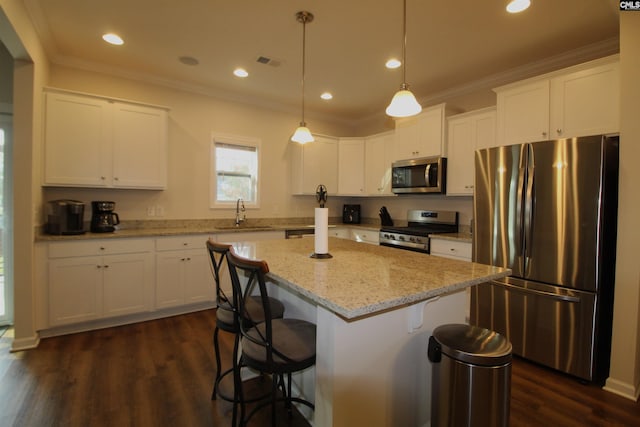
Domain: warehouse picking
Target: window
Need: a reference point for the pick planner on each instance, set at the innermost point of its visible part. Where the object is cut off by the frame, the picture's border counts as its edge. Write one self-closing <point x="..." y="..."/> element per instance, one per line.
<point x="234" y="171"/>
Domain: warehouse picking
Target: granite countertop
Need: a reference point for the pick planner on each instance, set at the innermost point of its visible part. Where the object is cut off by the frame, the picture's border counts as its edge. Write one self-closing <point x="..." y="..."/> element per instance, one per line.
<point x="185" y="227"/>
<point x="465" y="237"/>
<point x="363" y="279"/>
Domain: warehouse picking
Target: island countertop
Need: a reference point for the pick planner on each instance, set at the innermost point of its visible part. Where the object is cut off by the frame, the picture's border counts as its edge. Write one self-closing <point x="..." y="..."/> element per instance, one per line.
<point x="363" y="279"/>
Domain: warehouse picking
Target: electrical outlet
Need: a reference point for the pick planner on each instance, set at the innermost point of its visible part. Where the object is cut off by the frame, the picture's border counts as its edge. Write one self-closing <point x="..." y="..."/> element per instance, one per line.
<point x="151" y="211"/>
<point x="159" y="210"/>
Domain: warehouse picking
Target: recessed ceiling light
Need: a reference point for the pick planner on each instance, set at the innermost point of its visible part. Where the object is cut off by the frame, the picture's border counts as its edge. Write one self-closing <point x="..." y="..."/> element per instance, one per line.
<point x="112" y="39"/>
<point x="516" y="6"/>
<point x="326" y="96"/>
<point x="240" y="72"/>
<point x="393" y="63"/>
<point x="188" y="60"/>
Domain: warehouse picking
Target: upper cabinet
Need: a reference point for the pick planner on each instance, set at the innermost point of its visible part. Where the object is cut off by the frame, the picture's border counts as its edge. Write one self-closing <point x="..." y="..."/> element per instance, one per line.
<point x="98" y="142"/>
<point x="351" y="166"/>
<point x="422" y="135"/>
<point x="466" y="133"/>
<point x="378" y="156"/>
<point x="313" y="164"/>
<point x="579" y="101"/>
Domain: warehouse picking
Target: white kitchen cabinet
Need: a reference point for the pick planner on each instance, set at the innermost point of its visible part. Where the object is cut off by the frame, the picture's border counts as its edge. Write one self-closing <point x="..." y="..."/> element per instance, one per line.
<point x="139" y="146"/>
<point x="378" y="158"/>
<point x="585" y="102"/>
<point x="314" y="163"/>
<point x="183" y="271"/>
<point x="98" y="142"/>
<point x="450" y="249"/>
<point x="422" y="135"/>
<point x="351" y="166"/>
<point x="340" y="232"/>
<point x="578" y="101"/>
<point x="466" y="133"/>
<point x="98" y="279"/>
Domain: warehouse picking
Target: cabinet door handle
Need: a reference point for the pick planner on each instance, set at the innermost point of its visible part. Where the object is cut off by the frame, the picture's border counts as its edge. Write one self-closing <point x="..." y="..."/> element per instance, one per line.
<point x="115" y="178"/>
<point x="103" y="178"/>
<point x="544" y="134"/>
<point x="559" y="131"/>
<point x="106" y="266"/>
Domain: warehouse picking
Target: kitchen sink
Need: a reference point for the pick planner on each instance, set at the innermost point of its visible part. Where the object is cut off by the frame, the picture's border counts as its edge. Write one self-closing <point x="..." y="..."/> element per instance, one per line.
<point x="244" y="227"/>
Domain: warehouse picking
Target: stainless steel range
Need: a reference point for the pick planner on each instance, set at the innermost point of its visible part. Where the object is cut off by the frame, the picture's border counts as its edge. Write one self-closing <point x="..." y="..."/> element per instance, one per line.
<point x="420" y="224"/>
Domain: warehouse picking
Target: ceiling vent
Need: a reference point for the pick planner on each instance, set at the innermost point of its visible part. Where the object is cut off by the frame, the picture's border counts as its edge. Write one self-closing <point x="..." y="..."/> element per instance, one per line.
<point x="268" y="61"/>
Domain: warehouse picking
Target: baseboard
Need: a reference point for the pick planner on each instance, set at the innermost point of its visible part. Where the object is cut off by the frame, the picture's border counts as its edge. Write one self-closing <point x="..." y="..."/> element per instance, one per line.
<point x="623" y="389"/>
<point x="124" y="320"/>
<point x="21" y="344"/>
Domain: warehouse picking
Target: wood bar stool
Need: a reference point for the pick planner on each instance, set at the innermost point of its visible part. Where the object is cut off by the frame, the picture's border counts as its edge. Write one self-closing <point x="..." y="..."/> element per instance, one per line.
<point x="227" y="318"/>
<point x="275" y="346"/>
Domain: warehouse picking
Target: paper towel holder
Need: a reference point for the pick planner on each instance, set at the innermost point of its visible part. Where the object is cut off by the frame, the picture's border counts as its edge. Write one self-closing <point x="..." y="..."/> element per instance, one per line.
<point x="321" y="197"/>
<point x="321" y="256"/>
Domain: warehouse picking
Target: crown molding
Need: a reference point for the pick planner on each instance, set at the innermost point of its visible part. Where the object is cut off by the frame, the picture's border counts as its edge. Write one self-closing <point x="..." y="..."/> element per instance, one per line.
<point x="566" y="59"/>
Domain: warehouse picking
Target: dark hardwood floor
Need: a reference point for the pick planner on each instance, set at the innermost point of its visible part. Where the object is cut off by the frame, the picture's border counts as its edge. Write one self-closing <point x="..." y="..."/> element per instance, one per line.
<point x="159" y="373"/>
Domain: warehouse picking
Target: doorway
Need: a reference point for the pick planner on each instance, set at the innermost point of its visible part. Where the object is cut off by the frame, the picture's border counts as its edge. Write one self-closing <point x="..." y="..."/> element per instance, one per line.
<point x="6" y="288"/>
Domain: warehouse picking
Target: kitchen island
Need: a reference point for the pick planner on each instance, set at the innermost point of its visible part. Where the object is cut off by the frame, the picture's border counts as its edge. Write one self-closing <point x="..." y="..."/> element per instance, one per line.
<point x="375" y="308"/>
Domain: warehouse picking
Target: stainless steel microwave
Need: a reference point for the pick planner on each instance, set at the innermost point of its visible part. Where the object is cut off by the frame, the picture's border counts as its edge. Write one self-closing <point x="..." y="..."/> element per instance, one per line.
<point x="423" y="175"/>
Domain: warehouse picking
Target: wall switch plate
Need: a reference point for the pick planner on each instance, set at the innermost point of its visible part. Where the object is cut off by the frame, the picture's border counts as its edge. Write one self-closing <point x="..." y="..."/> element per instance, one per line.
<point x="151" y="211"/>
<point x="159" y="210"/>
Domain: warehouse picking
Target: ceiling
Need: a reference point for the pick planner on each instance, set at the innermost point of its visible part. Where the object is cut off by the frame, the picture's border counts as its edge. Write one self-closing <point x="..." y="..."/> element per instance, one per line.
<point x="452" y="47"/>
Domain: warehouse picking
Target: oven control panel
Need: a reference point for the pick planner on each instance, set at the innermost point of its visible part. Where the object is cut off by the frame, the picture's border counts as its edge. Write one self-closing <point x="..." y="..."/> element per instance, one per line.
<point x="404" y="241"/>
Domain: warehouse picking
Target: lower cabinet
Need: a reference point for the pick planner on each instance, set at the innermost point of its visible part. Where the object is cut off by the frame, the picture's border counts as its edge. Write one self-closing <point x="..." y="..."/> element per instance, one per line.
<point x="183" y="273"/>
<point x="99" y="279"/>
<point x="451" y="249"/>
<point x="454" y="249"/>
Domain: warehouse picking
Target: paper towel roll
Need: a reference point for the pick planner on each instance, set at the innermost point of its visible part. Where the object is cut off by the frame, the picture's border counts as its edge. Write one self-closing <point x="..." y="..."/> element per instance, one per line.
<point x="321" y="231"/>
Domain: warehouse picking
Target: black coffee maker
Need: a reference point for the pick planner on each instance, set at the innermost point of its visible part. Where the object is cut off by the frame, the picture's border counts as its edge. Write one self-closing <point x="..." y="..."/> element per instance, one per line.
<point x="65" y="217"/>
<point x="103" y="218"/>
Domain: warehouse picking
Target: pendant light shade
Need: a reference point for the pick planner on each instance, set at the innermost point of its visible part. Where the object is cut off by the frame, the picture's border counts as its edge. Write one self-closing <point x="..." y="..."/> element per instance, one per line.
<point x="403" y="103"/>
<point x="302" y="135"/>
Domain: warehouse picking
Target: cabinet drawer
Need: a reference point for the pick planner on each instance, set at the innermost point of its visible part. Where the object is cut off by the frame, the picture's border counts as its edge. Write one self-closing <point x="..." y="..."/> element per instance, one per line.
<point x="451" y="248"/>
<point x="182" y="242"/>
<point x="99" y="247"/>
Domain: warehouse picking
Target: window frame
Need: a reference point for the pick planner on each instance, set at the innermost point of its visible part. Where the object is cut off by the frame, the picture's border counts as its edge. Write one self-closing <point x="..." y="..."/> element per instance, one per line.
<point x="241" y="141"/>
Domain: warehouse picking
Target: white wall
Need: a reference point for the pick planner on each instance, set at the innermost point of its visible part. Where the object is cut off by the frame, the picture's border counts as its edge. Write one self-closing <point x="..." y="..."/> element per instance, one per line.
<point x="624" y="378"/>
<point x="399" y="205"/>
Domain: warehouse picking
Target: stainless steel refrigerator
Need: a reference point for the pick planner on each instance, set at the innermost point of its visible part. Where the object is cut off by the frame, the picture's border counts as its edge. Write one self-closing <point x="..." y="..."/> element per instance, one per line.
<point x="548" y="211"/>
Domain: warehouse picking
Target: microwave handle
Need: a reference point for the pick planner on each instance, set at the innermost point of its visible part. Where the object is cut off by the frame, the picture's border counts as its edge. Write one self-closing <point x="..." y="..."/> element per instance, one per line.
<point x="427" y="174"/>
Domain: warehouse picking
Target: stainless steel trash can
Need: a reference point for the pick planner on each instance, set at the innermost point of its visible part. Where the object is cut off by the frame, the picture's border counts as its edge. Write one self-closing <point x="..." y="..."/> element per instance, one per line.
<point x="471" y="381"/>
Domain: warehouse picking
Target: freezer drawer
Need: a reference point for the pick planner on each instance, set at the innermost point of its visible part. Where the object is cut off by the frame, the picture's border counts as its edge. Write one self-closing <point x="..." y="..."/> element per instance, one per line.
<point x="546" y="324"/>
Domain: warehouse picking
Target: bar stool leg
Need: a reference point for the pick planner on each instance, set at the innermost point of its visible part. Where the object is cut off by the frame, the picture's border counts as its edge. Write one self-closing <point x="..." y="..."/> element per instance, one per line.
<point x="216" y="347"/>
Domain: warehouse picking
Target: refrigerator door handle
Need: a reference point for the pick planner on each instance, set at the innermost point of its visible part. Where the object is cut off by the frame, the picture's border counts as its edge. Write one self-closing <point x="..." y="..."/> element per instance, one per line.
<point x="565" y="298"/>
<point x="528" y="209"/>
<point x="520" y="239"/>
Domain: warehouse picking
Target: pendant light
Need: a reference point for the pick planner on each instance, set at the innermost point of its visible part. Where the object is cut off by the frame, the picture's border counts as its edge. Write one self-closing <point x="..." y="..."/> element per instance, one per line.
<point x="302" y="134"/>
<point x="404" y="104"/>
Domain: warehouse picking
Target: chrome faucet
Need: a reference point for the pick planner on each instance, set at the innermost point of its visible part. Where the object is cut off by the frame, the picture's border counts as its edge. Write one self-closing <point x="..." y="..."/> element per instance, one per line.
<point x="240" y="208"/>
